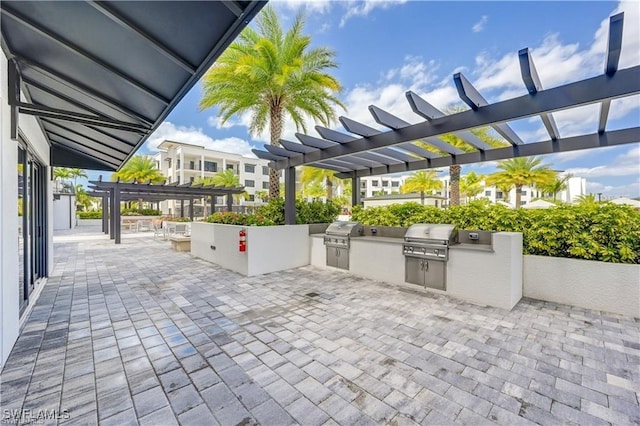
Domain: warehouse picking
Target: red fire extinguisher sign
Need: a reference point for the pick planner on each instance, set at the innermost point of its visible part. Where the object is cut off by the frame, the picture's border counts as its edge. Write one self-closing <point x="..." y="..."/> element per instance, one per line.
<point x="242" y="241"/>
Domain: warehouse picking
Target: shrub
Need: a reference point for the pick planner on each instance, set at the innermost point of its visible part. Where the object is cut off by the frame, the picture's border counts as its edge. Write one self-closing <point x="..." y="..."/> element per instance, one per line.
<point x="603" y="231"/>
<point x="140" y="212"/>
<point x="90" y="215"/>
<point x="273" y="214"/>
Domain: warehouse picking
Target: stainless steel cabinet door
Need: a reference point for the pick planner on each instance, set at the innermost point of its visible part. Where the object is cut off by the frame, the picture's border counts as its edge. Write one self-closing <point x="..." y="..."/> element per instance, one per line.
<point x="435" y="274"/>
<point x="332" y="257"/>
<point x="343" y="258"/>
<point x="414" y="270"/>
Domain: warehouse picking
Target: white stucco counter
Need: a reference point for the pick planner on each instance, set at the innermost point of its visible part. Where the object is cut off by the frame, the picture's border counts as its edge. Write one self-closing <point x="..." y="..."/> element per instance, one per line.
<point x="486" y="275"/>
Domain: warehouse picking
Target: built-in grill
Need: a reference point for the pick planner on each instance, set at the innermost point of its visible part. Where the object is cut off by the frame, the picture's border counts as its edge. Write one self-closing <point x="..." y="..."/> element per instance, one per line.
<point x="337" y="239"/>
<point x="426" y="251"/>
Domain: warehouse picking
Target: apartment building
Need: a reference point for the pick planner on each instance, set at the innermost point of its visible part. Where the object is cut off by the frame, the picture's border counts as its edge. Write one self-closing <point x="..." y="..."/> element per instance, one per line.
<point x="372" y="186"/>
<point x="183" y="163"/>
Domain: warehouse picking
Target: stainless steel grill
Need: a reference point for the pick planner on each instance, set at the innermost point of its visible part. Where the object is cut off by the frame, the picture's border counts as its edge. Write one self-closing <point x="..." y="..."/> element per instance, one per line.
<point x="426" y="251"/>
<point x="337" y="239"/>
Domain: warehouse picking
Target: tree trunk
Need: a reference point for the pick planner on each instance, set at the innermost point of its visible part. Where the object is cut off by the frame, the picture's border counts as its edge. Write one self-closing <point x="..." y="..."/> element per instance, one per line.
<point x="422" y="197"/>
<point x="276" y="133"/>
<point x="329" y="185"/>
<point x="518" y="195"/>
<point x="454" y="184"/>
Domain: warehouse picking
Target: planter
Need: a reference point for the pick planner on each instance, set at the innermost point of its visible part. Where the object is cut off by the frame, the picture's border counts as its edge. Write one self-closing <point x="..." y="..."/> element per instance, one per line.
<point x="269" y="248"/>
<point x="611" y="287"/>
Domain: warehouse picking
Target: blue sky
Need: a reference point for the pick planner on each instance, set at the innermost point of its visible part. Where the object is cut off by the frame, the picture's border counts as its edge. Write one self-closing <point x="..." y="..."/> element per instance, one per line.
<point x="386" y="48"/>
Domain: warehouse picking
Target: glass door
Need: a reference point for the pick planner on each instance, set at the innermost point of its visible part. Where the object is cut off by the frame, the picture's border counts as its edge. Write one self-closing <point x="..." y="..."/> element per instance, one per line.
<point x="32" y="225"/>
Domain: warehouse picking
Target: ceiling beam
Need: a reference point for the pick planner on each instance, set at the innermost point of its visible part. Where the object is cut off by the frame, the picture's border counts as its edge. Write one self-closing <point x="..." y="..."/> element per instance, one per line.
<point x="614" y="47"/>
<point x="116" y="17"/>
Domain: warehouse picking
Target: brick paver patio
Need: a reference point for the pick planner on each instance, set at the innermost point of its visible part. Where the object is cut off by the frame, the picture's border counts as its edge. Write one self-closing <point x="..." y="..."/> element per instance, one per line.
<point x="138" y="334"/>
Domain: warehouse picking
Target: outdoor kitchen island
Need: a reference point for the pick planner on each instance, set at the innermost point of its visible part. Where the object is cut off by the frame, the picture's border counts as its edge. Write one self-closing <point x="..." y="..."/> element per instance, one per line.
<point x="485" y="274"/>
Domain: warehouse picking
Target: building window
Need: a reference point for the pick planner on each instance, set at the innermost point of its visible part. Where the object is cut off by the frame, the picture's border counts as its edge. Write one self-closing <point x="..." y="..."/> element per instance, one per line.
<point x="524" y="192"/>
<point x="250" y="183"/>
<point x="385" y="183"/>
<point x="265" y="185"/>
<point x="251" y="197"/>
<point x="487" y="193"/>
<point x="363" y="184"/>
<point x="522" y="203"/>
<point x="374" y="183"/>
<point x="178" y="164"/>
<point x="230" y="166"/>
<point x="191" y="179"/>
<point x="395" y="184"/>
<point x="210" y="166"/>
<point x="499" y="194"/>
<point x="192" y="165"/>
<point x="250" y="168"/>
<point x="265" y="170"/>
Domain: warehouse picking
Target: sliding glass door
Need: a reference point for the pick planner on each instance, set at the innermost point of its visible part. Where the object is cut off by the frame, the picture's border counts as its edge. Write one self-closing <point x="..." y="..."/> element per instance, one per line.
<point x="32" y="224"/>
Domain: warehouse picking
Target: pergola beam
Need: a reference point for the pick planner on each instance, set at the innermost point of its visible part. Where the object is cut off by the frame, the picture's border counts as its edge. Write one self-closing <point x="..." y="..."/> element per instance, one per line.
<point x="593" y="140"/>
<point x="534" y="85"/>
<point x="428" y="111"/>
<point x="614" y="47"/>
<point x="625" y="82"/>
<point x="470" y="96"/>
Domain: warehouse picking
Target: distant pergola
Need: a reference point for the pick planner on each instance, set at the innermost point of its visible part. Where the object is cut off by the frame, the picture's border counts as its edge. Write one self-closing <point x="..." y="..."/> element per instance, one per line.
<point x="369" y="152"/>
<point x="112" y="193"/>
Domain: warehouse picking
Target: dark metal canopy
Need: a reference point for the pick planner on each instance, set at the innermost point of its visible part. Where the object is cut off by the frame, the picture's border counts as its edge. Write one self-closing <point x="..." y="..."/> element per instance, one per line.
<point x="102" y="76"/>
<point x="366" y="151"/>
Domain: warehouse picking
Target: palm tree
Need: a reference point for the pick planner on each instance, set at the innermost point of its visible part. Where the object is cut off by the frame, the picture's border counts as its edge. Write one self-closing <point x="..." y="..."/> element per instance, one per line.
<point x="226" y="178"/>
<point x="273" y="74"/>
<point x="313" y="189"/>
<point x="311" y="175"/>
<point x="483" y="133"/>
<point x="424" y="181"/>
<point x="471" y="184"/>
<point x="75" y="174"/>
<point x="139" y="168"/>
<point x="519" y="172"/>
<point x="555" y="186"/>
<point x="587" y="200"/>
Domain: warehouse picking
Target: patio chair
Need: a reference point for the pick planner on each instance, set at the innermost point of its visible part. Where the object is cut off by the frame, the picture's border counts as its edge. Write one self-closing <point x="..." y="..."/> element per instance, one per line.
<point x="157" y="228"/>
<point x="180" y="229"/>
<point x="143" y="225"/>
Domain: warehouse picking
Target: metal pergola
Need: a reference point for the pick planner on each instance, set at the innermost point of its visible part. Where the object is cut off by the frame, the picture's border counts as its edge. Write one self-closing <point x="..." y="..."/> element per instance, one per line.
<point x="112" y="193"/>
<point x="367" y="151"/>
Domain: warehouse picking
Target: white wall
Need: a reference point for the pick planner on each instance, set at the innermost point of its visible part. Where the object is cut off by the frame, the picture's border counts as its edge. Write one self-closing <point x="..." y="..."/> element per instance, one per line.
<point x="64" y="212"/>
<point x="9" y="294"/>
<point x="603" y="286"/>
<point x="269" y="248"/>
<point x="8" y="223"/>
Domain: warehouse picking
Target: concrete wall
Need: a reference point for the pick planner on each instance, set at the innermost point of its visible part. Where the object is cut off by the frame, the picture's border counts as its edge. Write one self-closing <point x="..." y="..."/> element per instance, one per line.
<point x="589" y="284"/>
<point x="269" y="248"/>
<point x="486" y="277"/>
<point x="64" y="212"/>
<point x="9" y="277"/>
<point x="492" y="278"/>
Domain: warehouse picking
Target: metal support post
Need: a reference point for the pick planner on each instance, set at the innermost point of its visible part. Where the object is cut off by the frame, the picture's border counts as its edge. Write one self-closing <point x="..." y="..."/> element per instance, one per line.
<point x="112" y="218"/>
<point x="181" y="208"/>
<point x="191" y="209"/>
<point x="105" y="214"/>
<point x="355" y="190"/>
<point x="116" y="219"/>
<point x="290" y="196"/>
<point x="229" y="202"/>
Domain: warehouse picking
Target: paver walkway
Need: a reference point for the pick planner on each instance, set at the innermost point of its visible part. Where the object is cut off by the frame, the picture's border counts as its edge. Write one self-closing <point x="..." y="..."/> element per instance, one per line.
<point x="140" y="334"/>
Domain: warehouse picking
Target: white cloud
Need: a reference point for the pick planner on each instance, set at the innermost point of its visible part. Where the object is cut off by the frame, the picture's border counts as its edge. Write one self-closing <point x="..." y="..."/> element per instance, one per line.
<point x="480" y="25"/>
<point x="216" y="121"/>
<point x="610" y="191"/>
<point x="310" y="6"/>
<point x="627" y="164"/>
<point x="195" y="136"/>
<point x="363" y="8"/>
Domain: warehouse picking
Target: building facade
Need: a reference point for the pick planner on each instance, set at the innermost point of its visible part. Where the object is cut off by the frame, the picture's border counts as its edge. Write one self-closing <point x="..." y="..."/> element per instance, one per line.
<point x="183" y="163"/>
<point x="374" y="186"/>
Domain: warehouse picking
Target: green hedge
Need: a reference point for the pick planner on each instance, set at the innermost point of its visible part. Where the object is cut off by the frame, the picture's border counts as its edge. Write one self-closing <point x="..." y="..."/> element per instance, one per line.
<point x="140" y="212"/>
<point x="90" y="215"/>
<point x="273" y="214"/>
<point x="606" y="232"/>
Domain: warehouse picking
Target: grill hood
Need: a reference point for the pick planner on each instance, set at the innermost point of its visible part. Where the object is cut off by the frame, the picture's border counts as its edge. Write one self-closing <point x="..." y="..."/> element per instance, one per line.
<point x="342" y="228"/>
<point x="431" y="232"/>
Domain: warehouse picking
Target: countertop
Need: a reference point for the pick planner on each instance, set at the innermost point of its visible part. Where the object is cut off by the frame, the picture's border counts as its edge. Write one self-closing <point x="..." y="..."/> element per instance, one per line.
<point x="390" y="240"/>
